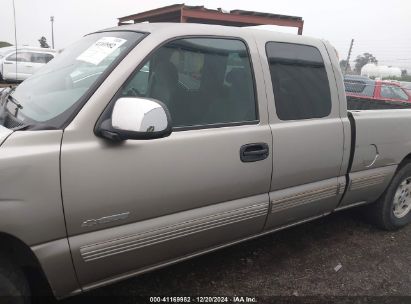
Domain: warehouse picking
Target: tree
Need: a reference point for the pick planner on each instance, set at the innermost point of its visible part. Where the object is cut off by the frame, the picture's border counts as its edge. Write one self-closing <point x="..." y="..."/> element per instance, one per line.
<point x="4" y="44"/>
<point x="344" y="67"/>
<point x="43" y="42"/>
<point x="404" y="73"/>
<point x="362" y="60"/>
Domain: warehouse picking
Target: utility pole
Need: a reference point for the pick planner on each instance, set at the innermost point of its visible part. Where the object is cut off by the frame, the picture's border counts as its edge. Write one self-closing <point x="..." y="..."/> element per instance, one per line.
<point x="348" y="57"/>
<point x="52" y="31"/>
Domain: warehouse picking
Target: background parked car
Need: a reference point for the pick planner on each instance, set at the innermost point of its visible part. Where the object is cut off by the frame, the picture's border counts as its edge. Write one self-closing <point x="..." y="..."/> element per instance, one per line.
<point x="18" y="67"/>
<point x="363" y="92"/>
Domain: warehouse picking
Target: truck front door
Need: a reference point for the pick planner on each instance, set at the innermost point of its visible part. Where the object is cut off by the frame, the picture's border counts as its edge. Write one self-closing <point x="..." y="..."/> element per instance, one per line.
<point x="133" y="205"/>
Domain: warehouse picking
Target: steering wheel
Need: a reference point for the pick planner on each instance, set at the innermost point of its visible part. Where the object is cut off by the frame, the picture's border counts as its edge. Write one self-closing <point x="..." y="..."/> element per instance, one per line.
<point x="134" y="92"/>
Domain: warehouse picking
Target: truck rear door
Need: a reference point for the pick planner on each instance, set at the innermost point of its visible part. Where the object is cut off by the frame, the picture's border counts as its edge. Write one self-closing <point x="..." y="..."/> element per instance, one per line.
<point x="307" y="129"/>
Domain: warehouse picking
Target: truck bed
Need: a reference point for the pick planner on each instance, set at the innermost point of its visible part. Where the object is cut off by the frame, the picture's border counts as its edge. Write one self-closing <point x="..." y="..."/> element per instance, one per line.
<point x="380" y="140"/>
<point x="361" y="103"/>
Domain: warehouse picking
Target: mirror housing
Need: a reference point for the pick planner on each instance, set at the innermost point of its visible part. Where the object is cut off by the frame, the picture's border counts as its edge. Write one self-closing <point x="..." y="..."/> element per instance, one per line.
<point x="136" y="118"/>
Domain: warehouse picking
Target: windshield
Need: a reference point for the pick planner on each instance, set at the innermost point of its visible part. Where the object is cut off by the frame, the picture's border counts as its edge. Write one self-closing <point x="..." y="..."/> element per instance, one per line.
<point x="406" y="85"/>
<point x="52" y="94"/>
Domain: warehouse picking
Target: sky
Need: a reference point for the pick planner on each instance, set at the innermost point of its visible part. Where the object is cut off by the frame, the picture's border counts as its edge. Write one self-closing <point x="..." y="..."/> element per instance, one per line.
<point x="382" y="28"/>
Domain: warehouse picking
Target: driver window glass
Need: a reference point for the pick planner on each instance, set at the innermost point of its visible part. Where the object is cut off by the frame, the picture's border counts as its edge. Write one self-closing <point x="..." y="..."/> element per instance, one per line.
<point x="138" y="85"/>
<point x="202" y="81"/>
<point x="21" y="57"/>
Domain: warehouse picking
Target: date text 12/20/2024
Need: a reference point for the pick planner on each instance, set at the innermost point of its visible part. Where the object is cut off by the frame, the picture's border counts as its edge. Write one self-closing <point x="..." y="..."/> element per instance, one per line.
<point x="199" y="299"/>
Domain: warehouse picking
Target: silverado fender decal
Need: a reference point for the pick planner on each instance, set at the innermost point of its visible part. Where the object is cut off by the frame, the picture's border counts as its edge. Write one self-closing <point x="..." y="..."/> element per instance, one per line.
<point x="105" y="219"/>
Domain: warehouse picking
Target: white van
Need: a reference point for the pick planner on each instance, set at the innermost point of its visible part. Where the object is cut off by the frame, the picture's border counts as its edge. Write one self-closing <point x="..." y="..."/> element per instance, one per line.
<point x="19" y="66"/>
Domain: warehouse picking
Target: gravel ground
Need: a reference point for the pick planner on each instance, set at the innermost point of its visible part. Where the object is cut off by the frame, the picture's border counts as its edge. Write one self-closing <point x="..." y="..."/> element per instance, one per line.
<point x="299" y="261"/>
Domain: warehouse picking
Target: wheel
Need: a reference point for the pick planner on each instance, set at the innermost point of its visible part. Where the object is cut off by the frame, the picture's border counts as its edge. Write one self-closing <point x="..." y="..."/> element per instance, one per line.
<point x="14" y="288"/>
<point x="392" y="210"/>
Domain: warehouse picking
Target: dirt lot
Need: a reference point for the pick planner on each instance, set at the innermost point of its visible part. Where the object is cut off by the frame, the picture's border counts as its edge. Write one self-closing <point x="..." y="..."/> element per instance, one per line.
<point x="298" y="261"/>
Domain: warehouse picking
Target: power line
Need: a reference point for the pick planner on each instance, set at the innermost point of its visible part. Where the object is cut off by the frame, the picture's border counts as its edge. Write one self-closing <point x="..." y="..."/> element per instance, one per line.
<point x="348" y="57"/>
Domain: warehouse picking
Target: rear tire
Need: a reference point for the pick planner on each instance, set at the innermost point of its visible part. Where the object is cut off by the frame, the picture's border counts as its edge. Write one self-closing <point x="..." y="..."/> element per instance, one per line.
<point x="14" y="288"/>
<point x="392" y="210"/>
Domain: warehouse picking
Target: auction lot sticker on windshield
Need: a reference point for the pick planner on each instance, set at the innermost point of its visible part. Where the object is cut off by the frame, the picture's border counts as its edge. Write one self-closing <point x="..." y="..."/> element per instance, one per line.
<point x="101" y="49"/>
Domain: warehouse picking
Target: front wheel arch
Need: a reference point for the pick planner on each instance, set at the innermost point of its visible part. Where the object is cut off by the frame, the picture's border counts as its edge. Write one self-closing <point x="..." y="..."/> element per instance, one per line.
<point x="21" y="255"/>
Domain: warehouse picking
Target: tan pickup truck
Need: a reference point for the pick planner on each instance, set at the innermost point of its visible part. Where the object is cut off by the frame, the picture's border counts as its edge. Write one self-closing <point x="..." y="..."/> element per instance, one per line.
<point x="144" y="145"/>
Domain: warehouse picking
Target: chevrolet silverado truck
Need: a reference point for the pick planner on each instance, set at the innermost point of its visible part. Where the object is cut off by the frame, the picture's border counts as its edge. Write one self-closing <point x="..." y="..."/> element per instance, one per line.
<point x="144" y="145"/>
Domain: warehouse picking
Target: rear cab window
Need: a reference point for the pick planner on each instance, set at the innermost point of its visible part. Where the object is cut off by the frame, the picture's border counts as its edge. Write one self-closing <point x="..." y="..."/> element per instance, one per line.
<point x="41" y="57"/>
<point x="359" y="87"/>
<point x="299" y="79"/>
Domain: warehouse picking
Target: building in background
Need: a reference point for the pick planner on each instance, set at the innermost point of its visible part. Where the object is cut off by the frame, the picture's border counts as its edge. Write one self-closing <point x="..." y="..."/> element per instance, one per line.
<point x="199" y="14"/>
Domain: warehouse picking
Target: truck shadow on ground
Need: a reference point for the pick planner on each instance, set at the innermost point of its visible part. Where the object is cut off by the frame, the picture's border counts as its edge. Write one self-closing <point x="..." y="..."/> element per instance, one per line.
<point x="298" y="261"/>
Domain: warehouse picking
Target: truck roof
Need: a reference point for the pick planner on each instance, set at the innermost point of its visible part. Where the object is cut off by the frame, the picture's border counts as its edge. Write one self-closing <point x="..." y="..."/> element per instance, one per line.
<point x="178" y="29"/>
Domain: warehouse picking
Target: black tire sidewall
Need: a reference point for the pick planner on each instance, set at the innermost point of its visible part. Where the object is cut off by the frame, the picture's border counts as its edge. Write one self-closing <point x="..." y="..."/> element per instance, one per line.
<point x="14" y="288"/>
<point x="7" y="288"/>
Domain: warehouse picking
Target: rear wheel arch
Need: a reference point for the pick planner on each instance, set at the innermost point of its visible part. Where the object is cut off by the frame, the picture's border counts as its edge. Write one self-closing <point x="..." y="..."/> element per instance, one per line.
<point x="404" y="161"/>
<point x="382" y="212"/>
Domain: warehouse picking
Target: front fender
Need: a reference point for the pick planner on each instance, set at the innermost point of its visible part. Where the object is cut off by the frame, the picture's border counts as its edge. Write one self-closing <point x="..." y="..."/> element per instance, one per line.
<point x="31" y="207"/>
<point x="30" y="195"/>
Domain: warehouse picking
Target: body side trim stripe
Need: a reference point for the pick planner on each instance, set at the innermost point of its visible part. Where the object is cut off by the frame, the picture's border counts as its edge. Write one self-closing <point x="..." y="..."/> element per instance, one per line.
<point x="368" y="181"/>
<point x="163" y="234"/>
<point x="166" y="234"/>
<point x="303" y="198"/>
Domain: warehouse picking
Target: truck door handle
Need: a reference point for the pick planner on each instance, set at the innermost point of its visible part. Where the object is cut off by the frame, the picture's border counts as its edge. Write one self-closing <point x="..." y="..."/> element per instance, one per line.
<point x="254" y="152"/>
<point x="8" y="62"/>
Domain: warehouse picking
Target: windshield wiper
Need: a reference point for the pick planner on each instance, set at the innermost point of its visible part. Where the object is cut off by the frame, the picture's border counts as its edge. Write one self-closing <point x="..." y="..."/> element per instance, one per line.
<point x="6" y="92"/>
<point x="15" y="102"/>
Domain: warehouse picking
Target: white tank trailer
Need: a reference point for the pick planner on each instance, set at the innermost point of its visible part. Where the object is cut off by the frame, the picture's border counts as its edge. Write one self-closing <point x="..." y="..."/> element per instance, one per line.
<point x="381" y="71"/>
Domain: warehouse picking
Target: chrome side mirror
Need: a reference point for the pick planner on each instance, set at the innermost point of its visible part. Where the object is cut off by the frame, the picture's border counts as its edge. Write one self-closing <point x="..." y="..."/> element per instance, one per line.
<point x="137" y="118"/>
